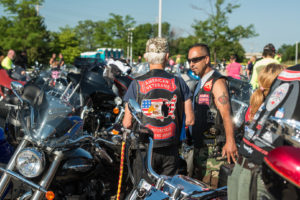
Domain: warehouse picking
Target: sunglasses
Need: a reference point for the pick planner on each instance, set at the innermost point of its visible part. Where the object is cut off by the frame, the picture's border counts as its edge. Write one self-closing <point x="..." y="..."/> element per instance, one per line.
<point x="196" y="59"/>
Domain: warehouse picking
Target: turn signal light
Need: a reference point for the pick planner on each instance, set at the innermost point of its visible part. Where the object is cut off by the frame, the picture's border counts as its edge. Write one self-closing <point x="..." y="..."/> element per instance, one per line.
<point x="50" y="195"/>
<point x="115" y="132"/>
<point x="116" y="110"/>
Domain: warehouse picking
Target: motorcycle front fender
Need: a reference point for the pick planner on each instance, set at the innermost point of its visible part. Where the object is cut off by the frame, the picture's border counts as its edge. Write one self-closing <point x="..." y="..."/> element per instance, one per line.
<point x="76" y="161"/>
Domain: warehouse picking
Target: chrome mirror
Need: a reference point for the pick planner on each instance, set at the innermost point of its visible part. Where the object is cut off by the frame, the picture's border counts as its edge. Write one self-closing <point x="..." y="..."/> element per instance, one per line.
<point x="135" y="109"/>
<point x="16" y="86"/>
<point x="17" y="89"/>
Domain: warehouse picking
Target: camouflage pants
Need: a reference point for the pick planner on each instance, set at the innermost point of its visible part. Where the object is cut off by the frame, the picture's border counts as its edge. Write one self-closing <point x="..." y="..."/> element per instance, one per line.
<point x="206" y="168"/>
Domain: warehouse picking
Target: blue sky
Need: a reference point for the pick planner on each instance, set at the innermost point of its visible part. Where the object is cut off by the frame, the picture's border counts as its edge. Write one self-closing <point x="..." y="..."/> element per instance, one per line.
<point x="275" y="21"/>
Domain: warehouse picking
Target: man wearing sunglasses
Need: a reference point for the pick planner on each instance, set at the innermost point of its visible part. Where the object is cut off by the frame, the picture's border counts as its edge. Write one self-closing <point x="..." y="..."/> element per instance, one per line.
<point x="212" y="133"/>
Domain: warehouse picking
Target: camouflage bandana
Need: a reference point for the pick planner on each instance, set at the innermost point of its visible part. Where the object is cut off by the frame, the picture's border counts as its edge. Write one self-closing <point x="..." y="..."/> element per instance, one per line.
<point x="157" y="45"/>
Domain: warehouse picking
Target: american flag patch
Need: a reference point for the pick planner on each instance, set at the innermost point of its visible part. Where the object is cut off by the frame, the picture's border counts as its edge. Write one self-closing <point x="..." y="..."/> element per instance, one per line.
<point x="159" y="108"/>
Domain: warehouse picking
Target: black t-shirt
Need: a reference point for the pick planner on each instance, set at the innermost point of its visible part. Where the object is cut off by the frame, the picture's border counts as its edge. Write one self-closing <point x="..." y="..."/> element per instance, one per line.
<point x="250" y="67"/>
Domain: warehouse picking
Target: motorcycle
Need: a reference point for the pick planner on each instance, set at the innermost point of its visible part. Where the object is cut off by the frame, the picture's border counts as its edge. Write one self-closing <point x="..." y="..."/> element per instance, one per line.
<point x="5" y="94"/>
<point x="140" y="69"/>
<point x="279" y="168"/>
<point x="176" y="187"/>
<point x="53" y="151"/>
<point x="100" y="107"/>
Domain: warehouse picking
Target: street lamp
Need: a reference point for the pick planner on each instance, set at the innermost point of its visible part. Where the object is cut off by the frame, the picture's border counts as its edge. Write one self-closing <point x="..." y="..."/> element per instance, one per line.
<point x="159" y="17"/>
<point x="130" y="36"/>
<point x="296" y="54"/>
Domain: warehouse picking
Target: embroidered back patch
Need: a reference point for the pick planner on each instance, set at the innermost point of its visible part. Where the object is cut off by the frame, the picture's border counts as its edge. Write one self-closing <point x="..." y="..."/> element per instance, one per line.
<point x="159" y="108"/>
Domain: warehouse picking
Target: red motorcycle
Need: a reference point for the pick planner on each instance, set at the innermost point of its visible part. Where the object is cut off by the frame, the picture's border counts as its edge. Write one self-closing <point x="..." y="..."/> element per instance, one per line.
<point x="281" y="167"/>
<point x="281" y="173"/>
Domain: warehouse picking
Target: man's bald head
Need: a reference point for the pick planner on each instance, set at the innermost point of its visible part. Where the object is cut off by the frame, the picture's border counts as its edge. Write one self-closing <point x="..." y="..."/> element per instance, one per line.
<point x="11" y="54"/>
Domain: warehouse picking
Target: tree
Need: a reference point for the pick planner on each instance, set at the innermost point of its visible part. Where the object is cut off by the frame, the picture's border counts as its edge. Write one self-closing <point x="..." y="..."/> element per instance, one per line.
<point x="114" y="32"/>
<point x="23" y="29"/>
<point x="141" y="34"/>
<point x="181" y="45"/>
<point x="85" y="32"/>
<point x="288" y="52"/>
<point x="68" y="44"/>
<point x="215" y="31"/>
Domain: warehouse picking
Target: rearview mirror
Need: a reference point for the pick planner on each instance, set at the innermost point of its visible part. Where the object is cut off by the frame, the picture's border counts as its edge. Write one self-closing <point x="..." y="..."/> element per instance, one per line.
<point x="135" y="110"/>
<point x="134" y="107"/>
<point x="17" y="89"/>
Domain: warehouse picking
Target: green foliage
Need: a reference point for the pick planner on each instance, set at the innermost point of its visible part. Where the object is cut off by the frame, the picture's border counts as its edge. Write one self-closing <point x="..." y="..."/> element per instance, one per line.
<point x="289" y="52"/>
<point x="181" y="45"/>
<point x="215" y="31"/>
<point x="143" y="32"/>
<point x="85" y="32"/>
<point x="68" y="44"/>
<point x="114" y="32"/>
<point x="23" y="29"/>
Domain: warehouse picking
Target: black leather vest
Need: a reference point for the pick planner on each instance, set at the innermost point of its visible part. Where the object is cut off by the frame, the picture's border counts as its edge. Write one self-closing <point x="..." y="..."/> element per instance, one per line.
<point x="160" y="98"/>
<point x="208" y="120"/>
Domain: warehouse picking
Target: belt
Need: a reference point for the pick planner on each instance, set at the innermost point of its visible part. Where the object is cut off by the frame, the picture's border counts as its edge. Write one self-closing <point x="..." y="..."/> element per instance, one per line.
<point x="246" y="164"/>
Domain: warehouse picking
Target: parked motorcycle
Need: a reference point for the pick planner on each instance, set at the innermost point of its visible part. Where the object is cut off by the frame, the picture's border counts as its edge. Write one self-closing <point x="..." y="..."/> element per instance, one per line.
<point x="100" y="108"/>
<point x="5" y="94"/>
<point x="177" y="187"/>
<point x="52" y="151"/>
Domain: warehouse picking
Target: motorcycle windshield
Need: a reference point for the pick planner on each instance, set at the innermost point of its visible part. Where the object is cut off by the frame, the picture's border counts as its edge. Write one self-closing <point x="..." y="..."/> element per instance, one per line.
<point x="52" y="125"/>
<point x="140" y="69"/>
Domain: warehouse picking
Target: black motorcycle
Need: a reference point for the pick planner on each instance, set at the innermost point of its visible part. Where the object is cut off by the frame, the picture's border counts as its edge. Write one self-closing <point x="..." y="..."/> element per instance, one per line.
<point x="54" y="156"/>
<point x="100" y="107"/>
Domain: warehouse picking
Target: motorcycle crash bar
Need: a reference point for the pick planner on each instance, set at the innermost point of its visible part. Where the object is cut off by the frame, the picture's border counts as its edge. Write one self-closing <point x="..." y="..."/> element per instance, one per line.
<point x="30" y="183"/>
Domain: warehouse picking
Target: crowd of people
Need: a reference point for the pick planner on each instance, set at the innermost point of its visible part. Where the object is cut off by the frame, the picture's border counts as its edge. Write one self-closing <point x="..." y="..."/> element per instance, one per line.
<point x="57" y="62"/>
<point x="168" y="105"/>
<point x="207" y="112"/>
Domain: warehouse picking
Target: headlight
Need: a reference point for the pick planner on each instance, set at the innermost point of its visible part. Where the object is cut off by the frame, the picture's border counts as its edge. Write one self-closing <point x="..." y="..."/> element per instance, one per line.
<point x="30" y="162"/>
<point x="118" y="101"/>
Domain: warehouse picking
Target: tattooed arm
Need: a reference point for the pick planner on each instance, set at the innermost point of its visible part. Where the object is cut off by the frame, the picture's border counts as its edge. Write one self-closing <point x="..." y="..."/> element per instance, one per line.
<point x="222" y="102"/>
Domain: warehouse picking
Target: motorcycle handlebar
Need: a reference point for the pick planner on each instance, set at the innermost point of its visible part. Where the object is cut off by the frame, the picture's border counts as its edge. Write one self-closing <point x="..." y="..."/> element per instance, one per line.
<point x="75" y="142"/>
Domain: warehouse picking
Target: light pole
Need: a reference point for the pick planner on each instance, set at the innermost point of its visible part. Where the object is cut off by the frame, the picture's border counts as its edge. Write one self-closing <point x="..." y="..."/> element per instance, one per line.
<point x="296" y="55"/>
<point x="130" y="36"/>
<point x="159" y="17"/>
<point x="128" y="44"/>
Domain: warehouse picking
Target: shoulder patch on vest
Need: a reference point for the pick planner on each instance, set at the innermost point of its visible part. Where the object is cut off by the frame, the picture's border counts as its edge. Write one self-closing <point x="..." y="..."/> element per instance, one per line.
<point x="208" y="85"/>
<point x="159" y="108"/>
<point x="277" y="96"/>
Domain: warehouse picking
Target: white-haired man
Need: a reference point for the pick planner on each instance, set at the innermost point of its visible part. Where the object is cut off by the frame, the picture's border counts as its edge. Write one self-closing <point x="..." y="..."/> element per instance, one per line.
<point x="164" y="100"/>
